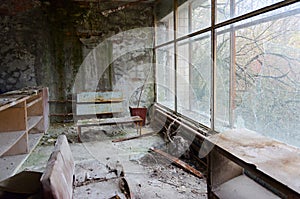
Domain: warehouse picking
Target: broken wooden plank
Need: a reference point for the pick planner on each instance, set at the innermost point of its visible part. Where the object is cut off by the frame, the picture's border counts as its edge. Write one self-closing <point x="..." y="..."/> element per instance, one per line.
<point x="123" y="184"/>
<point x="57" y="179"/>
<point x="134" y="137"/>
<point x="178" y="162"/>
<point x="94" y="180"/>
<point x="115" y="197"/>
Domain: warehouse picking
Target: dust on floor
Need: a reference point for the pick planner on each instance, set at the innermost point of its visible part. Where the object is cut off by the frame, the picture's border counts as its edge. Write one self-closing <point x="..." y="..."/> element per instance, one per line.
<point x="101" y="164"/>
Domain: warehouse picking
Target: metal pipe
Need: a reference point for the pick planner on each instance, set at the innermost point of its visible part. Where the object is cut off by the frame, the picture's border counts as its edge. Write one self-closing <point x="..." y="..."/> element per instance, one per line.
<point x="182" y="124"/>
<point x="60" y="101"/>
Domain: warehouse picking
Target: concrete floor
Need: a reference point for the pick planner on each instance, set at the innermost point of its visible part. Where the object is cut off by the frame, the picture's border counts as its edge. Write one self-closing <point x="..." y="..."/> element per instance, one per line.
<point x="148" y="175"/>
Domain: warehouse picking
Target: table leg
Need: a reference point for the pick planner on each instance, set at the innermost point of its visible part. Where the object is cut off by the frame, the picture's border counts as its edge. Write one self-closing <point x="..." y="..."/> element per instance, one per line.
<point x="79" y="133"/>
<point x="140" y="125"/>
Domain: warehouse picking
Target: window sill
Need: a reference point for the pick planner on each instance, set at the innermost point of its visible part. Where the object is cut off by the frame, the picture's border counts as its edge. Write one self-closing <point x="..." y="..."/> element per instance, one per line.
<point x="274" y="162"/>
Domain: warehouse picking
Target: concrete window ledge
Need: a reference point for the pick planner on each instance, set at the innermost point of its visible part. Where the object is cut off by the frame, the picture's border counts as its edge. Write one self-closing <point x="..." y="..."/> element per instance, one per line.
<point x="273" y="163"/>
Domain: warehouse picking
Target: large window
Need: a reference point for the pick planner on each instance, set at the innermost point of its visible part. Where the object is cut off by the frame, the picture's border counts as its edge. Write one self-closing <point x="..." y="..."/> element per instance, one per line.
<point x="239" y="68"/>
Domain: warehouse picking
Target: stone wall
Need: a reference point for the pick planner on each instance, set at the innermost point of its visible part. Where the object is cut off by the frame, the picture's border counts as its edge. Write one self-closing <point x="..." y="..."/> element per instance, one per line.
<point x="23" y="40"/>
<point x="44" y="43"/>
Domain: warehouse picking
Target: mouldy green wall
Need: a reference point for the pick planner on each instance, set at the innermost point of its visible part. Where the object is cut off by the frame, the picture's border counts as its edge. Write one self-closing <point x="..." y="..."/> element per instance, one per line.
<point x="24" y="42"/>
<point x="43" y="43"/>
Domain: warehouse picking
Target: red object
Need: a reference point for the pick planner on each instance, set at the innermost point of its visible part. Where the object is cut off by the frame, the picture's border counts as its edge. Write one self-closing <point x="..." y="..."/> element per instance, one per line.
<point x="142" y="112"/>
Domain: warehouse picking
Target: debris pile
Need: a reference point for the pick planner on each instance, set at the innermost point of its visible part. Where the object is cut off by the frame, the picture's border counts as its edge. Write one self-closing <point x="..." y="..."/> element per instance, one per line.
<point x="179" y="147"/>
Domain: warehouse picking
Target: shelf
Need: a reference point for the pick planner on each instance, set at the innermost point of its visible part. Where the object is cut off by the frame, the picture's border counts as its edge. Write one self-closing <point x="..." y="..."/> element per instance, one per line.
<point x="22" y="113"/>
<point x="9" y="101"/>
<point x="10" y="165"/>
<point x="242" y="187"/>
<point x="32" y="121"/>
<point x="29" y="104"/>
<point x="10" y="139"/>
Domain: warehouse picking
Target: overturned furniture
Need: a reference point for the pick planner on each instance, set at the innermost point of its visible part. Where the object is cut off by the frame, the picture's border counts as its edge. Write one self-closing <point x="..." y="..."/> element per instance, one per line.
<point x="63" y="179"/>
<point x="57" y="179"/>
<point x="55" y="182"/>
<point x="90" y="105"/>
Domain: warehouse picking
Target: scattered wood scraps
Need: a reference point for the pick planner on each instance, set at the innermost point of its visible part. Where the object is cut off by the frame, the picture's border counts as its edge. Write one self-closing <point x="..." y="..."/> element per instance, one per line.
<point x="178" y="162"/>
<point x="135" y="137"/>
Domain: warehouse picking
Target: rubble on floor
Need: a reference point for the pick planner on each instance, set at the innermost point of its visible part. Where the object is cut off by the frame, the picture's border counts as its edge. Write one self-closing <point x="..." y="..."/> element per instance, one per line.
<point x="103" y="167"/>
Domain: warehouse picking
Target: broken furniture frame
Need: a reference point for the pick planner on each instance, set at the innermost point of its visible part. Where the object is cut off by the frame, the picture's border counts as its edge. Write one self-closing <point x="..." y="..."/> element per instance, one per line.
<point x="239" y="156"/>
<point x="55" y="182"/>
<point x="22" y="112"/>
<point x="89" y="105"/>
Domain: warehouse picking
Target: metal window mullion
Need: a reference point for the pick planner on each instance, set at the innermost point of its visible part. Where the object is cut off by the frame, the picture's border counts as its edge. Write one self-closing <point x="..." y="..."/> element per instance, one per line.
<point x="190" y="54"/>
<point x="154" y="50"/>
<point x="256" y="12"/>
<point x="185" y="37"/>
<point x="232" y="78"/>
<point x="214" y="65"/>
<point x="175" y="17"/>
<point x="260" y="21"/>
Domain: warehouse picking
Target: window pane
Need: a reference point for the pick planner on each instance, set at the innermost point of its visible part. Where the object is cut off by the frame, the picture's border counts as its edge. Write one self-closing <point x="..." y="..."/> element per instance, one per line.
<point x="222" y="81"/>
<point x="227" y="9"/>
<point x="201" y="77"/>
<point x="165" y="76"/>
<point x="183" y="20"/>
<point x="266" y="81"/>
<point x="201" y="14"/>
<point x="165" y="22"/>
<point x="193" y="16"/>
<point x="194" y="78"/>
<point x="183" y="78"/>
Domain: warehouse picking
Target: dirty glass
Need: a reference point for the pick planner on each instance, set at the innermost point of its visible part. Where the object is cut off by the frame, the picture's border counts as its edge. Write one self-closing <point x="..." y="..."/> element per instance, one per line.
<point x="222" y="81"/>
<point x="264" y="89"/>
<point x="200" y="14"/>
<point x="227" y="9"/>
<point x="193" y="16"/>
<point x="165" y="76"/>
<point x="183" y="77"/>
<point x="183" y="20"/>
<point x="194" y="78"/>
<point x="164" y="26"/>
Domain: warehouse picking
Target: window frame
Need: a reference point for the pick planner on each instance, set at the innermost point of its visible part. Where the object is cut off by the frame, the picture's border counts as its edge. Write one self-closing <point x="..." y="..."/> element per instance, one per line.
<point x="213" y="31"/>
